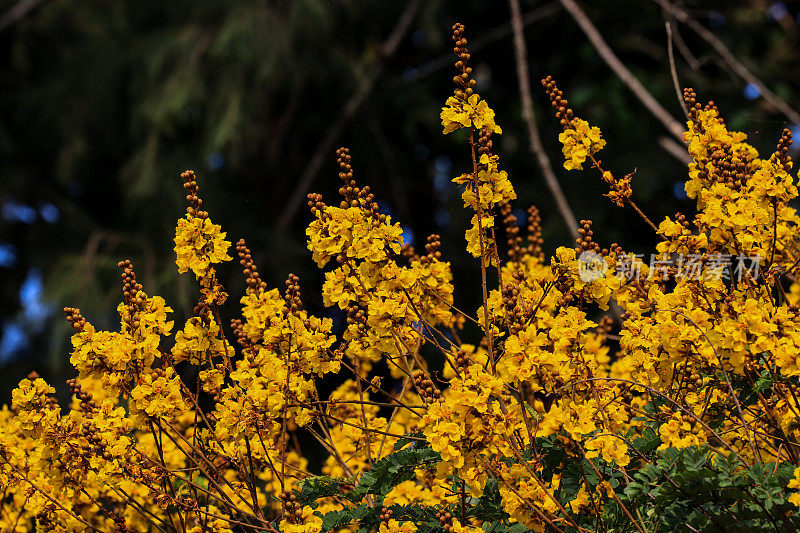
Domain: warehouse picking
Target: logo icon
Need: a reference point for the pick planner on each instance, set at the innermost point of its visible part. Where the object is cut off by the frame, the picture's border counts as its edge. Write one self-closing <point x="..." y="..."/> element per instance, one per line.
<point x="591" y="266"/>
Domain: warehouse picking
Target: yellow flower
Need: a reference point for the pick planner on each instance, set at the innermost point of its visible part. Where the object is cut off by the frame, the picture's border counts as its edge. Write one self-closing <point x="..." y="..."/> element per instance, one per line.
<point x="309" y="523"/>
<point x="581" y="501"/>
<point x="580" y="141"/>
<point x="474" y="111"/>
<point x="794" y="483"/>
<point x="482" y="114"/>
<point x="393" y="526"/>
<point x="197" y="338"/>
<point x="454" y="115"/>
<point x="612" y="449"/>
<point x="199" y="244"/>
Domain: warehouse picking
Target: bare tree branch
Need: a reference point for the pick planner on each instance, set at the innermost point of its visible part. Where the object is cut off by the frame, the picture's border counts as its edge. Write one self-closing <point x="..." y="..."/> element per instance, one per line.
<point x="17" y="12"/>
<point x="672" y="69"/>
<point x="678" y="151"/>
<point x="325" y="148"/>
<point x="523" y="76"/>
<point x="687" y="54"/>
<point x="652" y="105"/>
<point x="445" y="60"/>
<point x="726" y="55"/>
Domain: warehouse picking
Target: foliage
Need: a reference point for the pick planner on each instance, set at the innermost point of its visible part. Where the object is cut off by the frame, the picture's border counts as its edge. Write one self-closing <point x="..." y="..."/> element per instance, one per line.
<point x="686" y="416"/>
<point x="709" y="491"/>
<point x="103" y="100"/>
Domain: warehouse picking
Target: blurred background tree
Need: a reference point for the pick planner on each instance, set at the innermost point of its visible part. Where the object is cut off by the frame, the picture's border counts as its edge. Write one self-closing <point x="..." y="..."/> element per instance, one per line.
<point x="105" y="102"/>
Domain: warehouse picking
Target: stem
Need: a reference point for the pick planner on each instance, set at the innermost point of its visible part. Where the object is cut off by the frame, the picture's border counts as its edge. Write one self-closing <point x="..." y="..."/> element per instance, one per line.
<point x="484" y="294"/>
<point x="536" y="146"/>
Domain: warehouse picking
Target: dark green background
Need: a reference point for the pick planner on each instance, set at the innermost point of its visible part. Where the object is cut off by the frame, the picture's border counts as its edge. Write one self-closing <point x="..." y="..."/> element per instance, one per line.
<point x="104" y="103"/>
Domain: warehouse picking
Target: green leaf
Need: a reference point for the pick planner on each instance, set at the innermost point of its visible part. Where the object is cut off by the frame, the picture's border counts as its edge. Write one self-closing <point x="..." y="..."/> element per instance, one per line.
<point x="413" y="439"/>
<point x="647" y="442"/>
<point x="339" y="519"/>
<point x="314" y="488"/>
<point x="391" y="471"/>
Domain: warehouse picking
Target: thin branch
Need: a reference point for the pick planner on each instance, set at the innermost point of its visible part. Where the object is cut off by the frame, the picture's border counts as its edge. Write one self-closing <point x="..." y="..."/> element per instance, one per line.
<point x="727" y="380"/>
<point x="17" y="12"/>
<point x="627" y="77"/>
<point x="674" y="149"/>
<point x="446" y="61"/>
<point x="687" y="54"/>
<point x="41" y="491"/>
<point x="675" y="404"/>
<point x="726" y="55"/>
<point x="311" y="171"/>
<point x="523" y="76"/>
<point x="672" y="69"/>
<point x="487" y="319"/>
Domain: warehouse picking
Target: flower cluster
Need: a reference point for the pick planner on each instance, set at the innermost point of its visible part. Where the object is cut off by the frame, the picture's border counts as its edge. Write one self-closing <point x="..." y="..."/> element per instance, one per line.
<point x="580" y="141"/>
<point x="582" y="401"/>
<point x="486" y="187"/>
